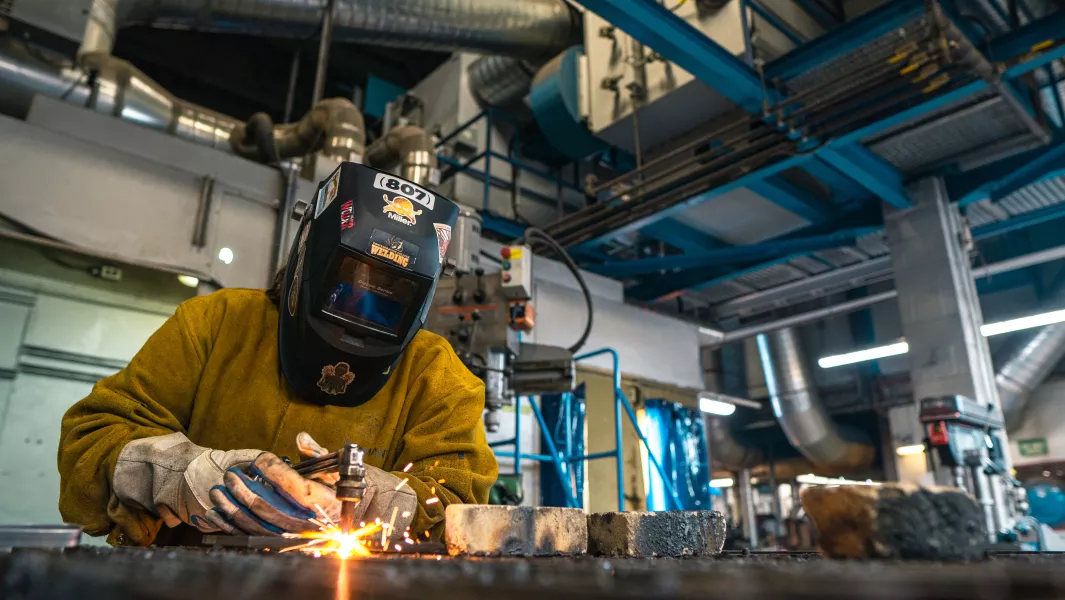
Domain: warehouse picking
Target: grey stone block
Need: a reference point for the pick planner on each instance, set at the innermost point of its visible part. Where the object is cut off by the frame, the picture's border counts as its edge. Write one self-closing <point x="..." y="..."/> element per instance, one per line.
<point x="481" y="530"/>
<point x="673" y="533"/>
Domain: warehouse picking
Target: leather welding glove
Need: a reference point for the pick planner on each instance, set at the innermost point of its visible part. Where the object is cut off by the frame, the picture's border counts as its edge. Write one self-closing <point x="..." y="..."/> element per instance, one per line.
<point x="311" y="449"/>
<point x="280" y="500"/>
<point x="171" y="477"/>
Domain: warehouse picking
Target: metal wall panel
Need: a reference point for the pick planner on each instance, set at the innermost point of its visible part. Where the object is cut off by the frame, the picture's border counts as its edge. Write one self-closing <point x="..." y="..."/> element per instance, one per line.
<point x="89" y="329"/>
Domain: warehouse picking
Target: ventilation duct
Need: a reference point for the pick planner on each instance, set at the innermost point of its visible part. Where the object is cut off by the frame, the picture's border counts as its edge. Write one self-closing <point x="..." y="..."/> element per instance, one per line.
<point x="726" y="450"/>
<point x="120" y="90"/>
<point x="525" y="28"/>
<point x="334" y="126"/>
<point x="1029" y="363"/>
<point x="500" y="81"/>
<point x="409" y="147"/>
<point x="800" y="412"/>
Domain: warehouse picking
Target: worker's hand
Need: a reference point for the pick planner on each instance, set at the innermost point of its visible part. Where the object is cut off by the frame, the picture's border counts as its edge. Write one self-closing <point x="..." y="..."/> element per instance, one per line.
<point x="274" y="500"/>
<point x="171" y="477"/>
<point x="311" y="449"/>
<point x="385" y="493"/>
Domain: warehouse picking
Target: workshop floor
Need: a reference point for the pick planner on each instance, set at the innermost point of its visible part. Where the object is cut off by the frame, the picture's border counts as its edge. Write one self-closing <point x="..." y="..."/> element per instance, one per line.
<point x="231" y="575"/>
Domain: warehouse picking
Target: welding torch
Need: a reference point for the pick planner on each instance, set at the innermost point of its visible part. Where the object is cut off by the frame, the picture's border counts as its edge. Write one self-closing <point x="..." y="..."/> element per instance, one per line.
<point x="348" y="462"/>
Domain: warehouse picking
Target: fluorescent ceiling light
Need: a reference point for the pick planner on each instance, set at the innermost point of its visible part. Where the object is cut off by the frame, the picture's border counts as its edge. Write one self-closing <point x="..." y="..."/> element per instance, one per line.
<point x="911" y="449"/>
<point x="725" y="482"/>
<point x="811" y="479"/>
<point x="838" y="360"/>
<point x="1047" y="318"/>
<point x="188" y="280"/>
<point x="988" y="330"/>
<point x="716" y="407"/>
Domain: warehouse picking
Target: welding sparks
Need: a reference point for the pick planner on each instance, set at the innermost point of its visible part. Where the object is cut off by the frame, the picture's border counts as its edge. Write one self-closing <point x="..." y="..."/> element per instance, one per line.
<point x="432" y="500"/>
<point x="399" y="548"/>
<point x="407" y="468"/>
<point x="402" y="483"/>
<point x="331" y="540"/>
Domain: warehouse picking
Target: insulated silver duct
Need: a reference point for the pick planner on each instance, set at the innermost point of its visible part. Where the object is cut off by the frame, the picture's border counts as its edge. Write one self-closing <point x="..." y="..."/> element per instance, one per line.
<point x="726" y="450"/>
<point x="409" y="147"/>
<point x="1028" y="364"/>
<point x="334" y="126"/>
<point x="121" y="90"/>
<point x="527" y="28"/>
<point x="800" y="412"/>
<point x="500" y="81"/>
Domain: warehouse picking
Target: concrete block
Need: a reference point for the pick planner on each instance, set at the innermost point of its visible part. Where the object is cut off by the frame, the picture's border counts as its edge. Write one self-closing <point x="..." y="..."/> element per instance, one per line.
<point x="896" y="521"/>
<point x="480" y="530"/>
<point x="673" y="533"/>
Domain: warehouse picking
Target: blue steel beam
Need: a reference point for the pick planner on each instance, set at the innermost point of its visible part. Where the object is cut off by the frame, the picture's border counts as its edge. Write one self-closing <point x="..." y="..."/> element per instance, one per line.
<point x="1042" y="215"/>
<point x="657" y="27"/>
<point x="736" y="254"/>
<point x="844" y="40"/>
<point x="681" y="236"/>
<point x="1027" y="37"/>
<point x="791" y="197"/>
<point x="1004" y="177"/>
<point x="868" y="170"/>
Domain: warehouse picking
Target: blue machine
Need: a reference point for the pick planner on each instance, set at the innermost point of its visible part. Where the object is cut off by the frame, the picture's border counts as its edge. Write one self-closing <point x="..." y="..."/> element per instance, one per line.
<point x="1046" y="502"/>
<point x="676" y="433"/>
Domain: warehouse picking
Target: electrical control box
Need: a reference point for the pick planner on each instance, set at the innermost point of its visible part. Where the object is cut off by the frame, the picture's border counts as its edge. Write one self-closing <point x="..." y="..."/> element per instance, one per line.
<point x="516" y="272"/>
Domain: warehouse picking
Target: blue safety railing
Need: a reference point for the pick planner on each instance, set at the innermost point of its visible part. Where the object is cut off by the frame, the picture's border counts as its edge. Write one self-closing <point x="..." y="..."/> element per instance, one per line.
<point x="453" y="166"/>
<point x="562" y="460"/>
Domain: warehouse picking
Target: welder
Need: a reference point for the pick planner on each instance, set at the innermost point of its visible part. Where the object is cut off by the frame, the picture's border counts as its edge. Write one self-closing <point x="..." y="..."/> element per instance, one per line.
<point x="193" y="435"/>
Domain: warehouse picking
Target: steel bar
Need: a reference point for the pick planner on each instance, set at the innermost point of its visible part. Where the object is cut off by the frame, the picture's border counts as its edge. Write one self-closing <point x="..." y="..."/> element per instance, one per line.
<point x="324" y="44"/>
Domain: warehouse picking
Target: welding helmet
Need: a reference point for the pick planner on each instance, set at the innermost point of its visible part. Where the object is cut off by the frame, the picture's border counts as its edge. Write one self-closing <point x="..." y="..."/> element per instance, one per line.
<point x="360" y="278"/>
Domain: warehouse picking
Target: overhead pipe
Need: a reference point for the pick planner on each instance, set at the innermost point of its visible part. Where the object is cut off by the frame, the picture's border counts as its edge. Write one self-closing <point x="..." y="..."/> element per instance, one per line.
<point x="1028" y="363"/>
<point x="529" y="28"/>
<point x="801" y="413"/>
<point x="500" y="81"/>
<point x="409" y="147"/>
<point x="334" y="126"/>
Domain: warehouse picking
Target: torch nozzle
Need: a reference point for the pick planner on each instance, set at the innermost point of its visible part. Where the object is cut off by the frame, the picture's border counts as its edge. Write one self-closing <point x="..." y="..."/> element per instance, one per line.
<point x="351" y="485"/>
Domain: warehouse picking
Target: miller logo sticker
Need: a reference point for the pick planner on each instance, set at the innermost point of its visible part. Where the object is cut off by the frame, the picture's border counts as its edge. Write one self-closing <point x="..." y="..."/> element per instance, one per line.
<point x="401" y="209"/>
<point x="336" y="378"/>
<point x="443" y="238"/>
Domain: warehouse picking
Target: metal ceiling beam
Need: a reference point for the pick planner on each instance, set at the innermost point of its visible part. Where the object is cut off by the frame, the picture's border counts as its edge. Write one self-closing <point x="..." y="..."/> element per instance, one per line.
<point x="1000" y="179"/>
<point x="846" y="39"/>
<point x="735" y="254"/>
<point x="793" y="199"/>
<point x="869" y="171"/>
<point x="681" y="236"/>
<point x="657" y="27"/>
<point x="1027" y="37"/>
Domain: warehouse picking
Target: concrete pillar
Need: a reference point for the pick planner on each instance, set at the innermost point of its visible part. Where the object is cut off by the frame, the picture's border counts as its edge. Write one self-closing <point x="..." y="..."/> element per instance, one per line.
<point x="938" y="306"/>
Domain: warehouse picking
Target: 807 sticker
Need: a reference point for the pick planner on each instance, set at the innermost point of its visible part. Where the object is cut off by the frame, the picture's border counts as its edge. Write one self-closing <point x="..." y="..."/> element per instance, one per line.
<point x="386" y="182"/>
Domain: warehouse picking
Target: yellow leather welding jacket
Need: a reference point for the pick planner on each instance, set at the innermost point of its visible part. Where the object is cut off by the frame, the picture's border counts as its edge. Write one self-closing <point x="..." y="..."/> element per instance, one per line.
<point x="211" y="372"/>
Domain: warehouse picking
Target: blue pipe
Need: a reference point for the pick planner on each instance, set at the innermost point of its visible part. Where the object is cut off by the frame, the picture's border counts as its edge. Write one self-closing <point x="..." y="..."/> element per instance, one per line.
<point x="650" y="453"/>
<point x="539" y="457"/>
<point x="597" y="455"/>
<point x="617" y="419"/>
<point x="517" y="432"/>
<point x="560" y="466"/>
<point x="506" y="442"/>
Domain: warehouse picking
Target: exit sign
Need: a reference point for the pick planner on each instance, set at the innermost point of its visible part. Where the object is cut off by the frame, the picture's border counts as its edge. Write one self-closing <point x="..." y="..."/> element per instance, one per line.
<point x="1033" y="447"/>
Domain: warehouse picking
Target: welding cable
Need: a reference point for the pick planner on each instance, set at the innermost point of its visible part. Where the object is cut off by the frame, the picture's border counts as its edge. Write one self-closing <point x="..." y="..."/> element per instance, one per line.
<point x="550" y="241"/>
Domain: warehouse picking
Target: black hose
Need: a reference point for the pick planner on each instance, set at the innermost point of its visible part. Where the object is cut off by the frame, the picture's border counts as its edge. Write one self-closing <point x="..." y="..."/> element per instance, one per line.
<point x="550" y="241"/>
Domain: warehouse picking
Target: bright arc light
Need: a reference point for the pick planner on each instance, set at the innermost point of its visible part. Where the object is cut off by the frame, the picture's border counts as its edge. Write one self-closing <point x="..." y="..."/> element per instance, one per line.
<point x="716" y="407"/>
<point x="225" y="255"/>
<point x="911" y="449"/>
<point x="724" y="482"/>
<point x="838" y="360"/>
<point x="188" y="280"/>
<point x="1047" y="318"/>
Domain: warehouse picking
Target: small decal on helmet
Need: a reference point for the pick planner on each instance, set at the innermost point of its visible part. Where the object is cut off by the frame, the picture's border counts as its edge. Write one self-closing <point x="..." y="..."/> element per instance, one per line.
<point x="389" y="183"/>
<point x="347" y="215"/>
<point x="443" y="238"/>
<point x="336" y="378"/>
<point x="294" y="287"/>
<point x="327" y="194"/>
<point x="393" y="252"/>
<point x="401" y="209"/>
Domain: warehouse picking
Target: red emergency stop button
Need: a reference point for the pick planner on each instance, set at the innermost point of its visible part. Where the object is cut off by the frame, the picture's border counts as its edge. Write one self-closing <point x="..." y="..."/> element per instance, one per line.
<point x="505" y="252"/>
<point x="506" y="277"/>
